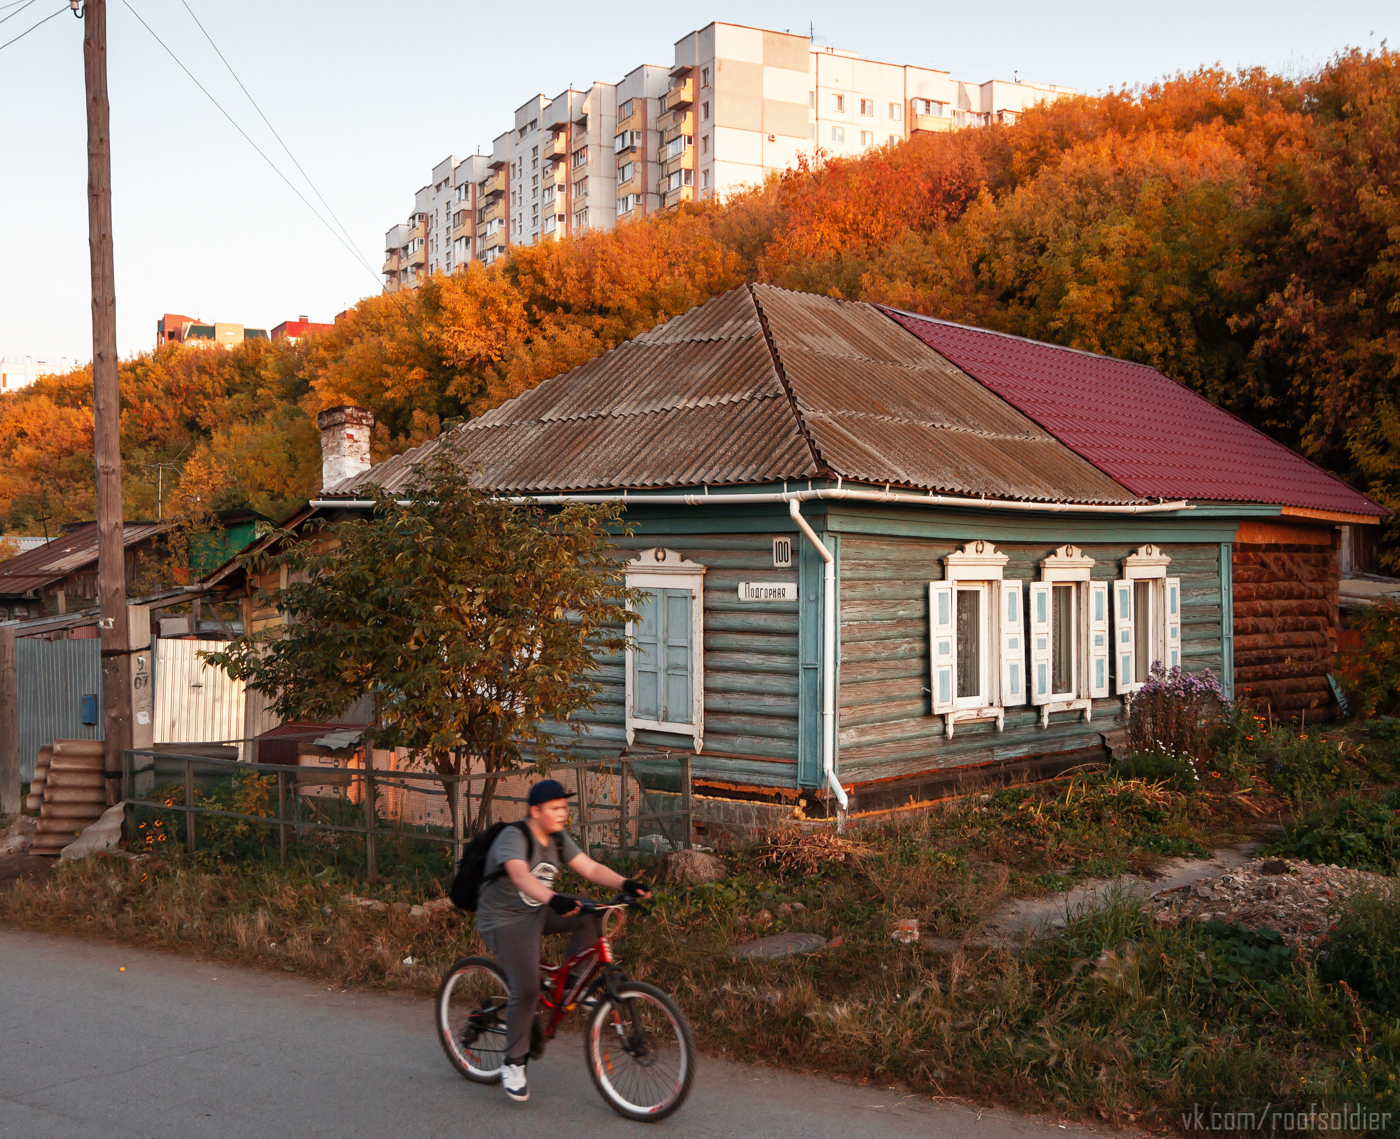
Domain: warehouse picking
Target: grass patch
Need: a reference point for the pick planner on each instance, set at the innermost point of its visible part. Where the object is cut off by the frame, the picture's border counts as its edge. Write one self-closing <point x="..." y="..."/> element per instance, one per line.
<point x="1353" y="831"/>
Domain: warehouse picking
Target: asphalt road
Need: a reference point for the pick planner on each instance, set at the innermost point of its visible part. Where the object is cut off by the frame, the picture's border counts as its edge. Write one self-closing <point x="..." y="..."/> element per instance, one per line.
<point x="175" y="1048"/>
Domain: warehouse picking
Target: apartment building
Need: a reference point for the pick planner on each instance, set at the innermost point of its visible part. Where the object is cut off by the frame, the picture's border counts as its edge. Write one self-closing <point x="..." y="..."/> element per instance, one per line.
<point x="736" y="104"/>
<point x="20" y="371"/>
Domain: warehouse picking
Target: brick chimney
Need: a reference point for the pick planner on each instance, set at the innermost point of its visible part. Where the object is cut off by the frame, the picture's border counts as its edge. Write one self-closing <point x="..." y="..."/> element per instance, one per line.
<point x="345" y="433"/>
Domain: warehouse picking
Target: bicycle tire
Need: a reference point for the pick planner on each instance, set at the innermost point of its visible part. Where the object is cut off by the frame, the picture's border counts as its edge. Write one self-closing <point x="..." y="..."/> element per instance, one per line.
<point x="473" y="981"/>
<point x="610" y="1053"/>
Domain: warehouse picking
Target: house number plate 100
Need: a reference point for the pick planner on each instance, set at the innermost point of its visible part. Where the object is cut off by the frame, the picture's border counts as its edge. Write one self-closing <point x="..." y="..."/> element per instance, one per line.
<point x="768" y="591"/>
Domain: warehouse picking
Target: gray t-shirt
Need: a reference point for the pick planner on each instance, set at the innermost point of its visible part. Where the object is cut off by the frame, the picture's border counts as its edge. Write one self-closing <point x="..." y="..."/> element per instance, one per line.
<point x="499" y="902"/>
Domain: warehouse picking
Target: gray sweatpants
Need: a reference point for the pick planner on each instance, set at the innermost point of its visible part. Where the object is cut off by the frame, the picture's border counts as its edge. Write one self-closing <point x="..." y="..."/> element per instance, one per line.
<point x="516" y="948"/>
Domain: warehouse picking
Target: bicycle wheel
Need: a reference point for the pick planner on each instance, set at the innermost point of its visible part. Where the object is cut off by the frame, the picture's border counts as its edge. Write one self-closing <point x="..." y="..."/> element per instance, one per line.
<point x="640" y="1052"/>
<point x="471" y="1018"/>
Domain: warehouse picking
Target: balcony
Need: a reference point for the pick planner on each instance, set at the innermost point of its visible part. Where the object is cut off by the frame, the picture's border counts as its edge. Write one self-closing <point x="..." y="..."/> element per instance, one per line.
<point x="678" y="195"/>
<point x="678" y="123"/>
<point x="495" y="240"/>
<point x="495" y="211"/>
<point x="392" y="264"/>
<point x="557" y="148"/>
<point x="681" y="93"/>
<point x="495" y="184"/>
<point x="634" y="120"/>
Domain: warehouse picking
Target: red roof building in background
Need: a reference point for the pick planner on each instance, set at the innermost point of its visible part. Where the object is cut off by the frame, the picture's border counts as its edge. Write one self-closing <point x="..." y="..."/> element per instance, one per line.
<point x="296" y="329"/>
<point x="1153" y="435"/>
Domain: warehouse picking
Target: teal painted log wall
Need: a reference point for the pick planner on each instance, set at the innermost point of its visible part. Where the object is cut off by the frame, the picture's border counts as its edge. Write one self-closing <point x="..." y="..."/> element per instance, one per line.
<point x="762" y="662"/>
<point x="751" y="669"/>
<point x="887" y="727"/>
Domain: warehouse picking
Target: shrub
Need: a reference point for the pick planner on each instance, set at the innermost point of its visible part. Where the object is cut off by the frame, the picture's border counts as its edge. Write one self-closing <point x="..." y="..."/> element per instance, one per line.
<point x="1363" y="951"/>
<point x="1371" y="672"/>
<point x="1159" y="766"/>
<point x="1361" y="833"/>
<point x="1307" y="767"/>
<point x="1175" y="712"/>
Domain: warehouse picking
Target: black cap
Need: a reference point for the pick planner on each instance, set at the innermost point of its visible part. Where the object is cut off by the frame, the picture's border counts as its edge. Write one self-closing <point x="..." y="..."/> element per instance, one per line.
<point x="546" y="791"/>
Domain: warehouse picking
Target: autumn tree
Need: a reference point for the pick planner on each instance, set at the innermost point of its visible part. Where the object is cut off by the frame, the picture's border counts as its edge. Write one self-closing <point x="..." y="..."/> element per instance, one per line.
<point x="474" y="623"/>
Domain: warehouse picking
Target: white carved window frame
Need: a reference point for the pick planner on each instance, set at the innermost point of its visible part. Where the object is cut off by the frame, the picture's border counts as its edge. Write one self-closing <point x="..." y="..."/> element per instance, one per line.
<point x="663" y="568"/>
<point x="1148" y="563"/>
<point x="1068" y="564"/>
<point x="978" y="563"/>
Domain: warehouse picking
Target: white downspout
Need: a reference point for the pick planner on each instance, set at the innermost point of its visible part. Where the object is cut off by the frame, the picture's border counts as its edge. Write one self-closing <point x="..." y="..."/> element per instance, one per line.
<point x="828" y="661"/>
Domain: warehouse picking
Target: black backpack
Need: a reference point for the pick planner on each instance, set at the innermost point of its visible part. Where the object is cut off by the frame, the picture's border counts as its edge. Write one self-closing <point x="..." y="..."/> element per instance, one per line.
<point x="471" y="876"/>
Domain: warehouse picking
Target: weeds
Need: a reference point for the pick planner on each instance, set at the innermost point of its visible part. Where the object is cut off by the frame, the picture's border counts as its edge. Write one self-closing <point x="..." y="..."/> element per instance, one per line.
<point x="1351" y="831"/>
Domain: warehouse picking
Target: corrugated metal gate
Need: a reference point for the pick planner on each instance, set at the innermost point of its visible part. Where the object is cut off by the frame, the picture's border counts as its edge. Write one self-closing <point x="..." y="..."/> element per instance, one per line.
<point x="54" y="676"/>
<point x="195" y="703"/>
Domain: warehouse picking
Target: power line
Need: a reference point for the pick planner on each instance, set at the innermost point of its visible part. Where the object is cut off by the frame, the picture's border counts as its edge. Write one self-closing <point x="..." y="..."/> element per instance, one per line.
<point x="22" y="7"/>
<point x="273" y="129"/>
<point x="24" y="33"/>
<point x="276" y="170"/>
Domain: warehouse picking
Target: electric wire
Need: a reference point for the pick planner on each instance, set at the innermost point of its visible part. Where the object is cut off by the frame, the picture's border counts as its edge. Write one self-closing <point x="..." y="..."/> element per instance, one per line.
<point x="273" y="129"/>
<point x="22" y="7"/>
<point x="276" y="170"/>
<point x="24" y="33"/>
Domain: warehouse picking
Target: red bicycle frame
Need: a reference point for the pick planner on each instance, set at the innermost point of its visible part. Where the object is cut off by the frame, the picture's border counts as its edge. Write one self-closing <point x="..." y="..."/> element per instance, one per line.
<point x="588" y="963"/>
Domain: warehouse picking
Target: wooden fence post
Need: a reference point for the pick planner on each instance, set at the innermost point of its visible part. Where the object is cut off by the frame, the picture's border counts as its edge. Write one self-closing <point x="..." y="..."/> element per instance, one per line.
<point x="582" y="775"/>
<point x="622" y="834"/>
<point x="369" y="822"/>
<point x="282" y="814"/>
<point x="189" y="804"/>
<point x="685" y="799"/>
<point x="456" y="821"/>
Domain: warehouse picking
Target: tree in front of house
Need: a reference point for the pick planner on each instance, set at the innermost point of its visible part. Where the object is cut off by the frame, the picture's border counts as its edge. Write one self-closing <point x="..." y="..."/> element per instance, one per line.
<point x="473" y="622"/>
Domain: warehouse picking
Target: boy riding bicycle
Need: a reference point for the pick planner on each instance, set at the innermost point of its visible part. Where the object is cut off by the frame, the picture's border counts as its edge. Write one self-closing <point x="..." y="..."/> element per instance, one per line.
<point x="517" y="906"/>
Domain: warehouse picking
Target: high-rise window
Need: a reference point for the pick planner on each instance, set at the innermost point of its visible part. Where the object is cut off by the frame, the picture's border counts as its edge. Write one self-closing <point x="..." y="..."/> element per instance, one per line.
<point x="838" y="134"/>
<point x="704" y="77"/>
<point x="867" y="107"/>
<point x="838" y="102"/>
<point x="867" y="138"/>
<point x="705" y="112"/>
<point x="896" y="112"/>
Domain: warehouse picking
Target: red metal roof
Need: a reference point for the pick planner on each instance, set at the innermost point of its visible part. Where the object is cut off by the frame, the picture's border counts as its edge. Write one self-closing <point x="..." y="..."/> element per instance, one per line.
<point x="1150" y="433"/>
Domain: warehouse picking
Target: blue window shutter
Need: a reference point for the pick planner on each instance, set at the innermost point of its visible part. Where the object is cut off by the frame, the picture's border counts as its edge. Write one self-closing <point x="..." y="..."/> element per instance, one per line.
<point x="677" y="638"/>
<point x="646" y="631"/>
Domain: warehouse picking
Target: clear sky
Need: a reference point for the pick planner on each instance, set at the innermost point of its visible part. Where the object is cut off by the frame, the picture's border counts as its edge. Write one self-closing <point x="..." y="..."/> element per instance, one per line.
<point x="370" y="96"/>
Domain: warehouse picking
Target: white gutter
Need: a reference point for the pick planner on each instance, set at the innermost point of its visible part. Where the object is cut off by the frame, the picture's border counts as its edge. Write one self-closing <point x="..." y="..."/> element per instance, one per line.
<point x="794" y="499"/>
<point x="838" y="493"/>
<point x="828" y="660"/>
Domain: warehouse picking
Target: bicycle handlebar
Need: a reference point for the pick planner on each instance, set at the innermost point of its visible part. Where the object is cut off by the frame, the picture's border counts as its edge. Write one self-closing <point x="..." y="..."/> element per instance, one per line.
<point x="619" y="902"/>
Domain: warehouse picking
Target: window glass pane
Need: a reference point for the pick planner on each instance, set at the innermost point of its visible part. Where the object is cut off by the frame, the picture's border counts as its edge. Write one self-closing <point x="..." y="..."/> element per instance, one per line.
<point x="646" y="702"/>
<point x="1062" y="640"/>
<point x="678" y="657"/>
<point x="969" y="642"/>
<point x="1142" y="625"/>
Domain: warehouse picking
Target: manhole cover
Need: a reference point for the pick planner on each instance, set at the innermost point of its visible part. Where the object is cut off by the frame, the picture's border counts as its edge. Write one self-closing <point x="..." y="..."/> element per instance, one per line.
<point x="779" y="945"/>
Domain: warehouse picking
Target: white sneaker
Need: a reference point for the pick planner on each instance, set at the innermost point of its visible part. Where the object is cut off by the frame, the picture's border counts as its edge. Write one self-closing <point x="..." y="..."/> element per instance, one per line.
<point x="513" y="1080"/>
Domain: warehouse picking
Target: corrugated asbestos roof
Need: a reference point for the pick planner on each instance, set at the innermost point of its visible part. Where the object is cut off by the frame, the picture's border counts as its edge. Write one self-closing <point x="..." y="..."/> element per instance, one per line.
<point x="881" y="408"/>
<point x="1149" y="432"/>
<point x="66" y="554"/>
<point x="700" y="400"/>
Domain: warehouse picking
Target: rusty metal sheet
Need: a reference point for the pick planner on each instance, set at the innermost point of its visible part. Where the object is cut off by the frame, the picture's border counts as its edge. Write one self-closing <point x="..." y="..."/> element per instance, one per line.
<point x="698" y="400"/>
<point x="66" y="554"/>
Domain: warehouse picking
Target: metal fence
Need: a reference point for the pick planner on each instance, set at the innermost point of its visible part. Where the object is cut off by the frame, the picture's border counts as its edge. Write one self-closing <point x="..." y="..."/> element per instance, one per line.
<point x="206" y="798"/>
<point x="53" y="677"/>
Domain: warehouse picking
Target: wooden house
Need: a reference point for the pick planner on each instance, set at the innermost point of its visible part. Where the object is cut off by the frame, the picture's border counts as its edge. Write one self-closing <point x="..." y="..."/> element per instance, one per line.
<point x="882" y="550"/>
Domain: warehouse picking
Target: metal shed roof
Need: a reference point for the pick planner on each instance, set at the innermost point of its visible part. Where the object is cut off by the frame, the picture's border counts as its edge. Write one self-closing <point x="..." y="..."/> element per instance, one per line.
<point x="66" y="554"/>
<point x="1152" y="434"/>
<point x="761" y="385"/>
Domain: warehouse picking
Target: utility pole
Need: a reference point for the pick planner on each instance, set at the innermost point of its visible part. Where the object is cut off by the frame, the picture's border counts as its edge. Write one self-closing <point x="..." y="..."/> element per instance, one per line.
<point x="111" y="554"/>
